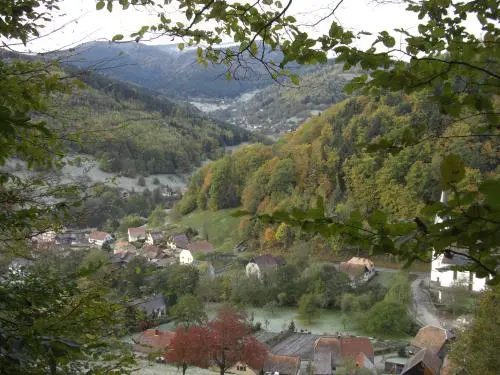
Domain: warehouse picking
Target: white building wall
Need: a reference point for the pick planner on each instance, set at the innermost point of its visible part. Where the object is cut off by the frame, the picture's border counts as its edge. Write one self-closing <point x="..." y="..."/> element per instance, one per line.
<point x="449" y="278"/>
<point x="185" y="257"/>
<point x="252" y="269"/>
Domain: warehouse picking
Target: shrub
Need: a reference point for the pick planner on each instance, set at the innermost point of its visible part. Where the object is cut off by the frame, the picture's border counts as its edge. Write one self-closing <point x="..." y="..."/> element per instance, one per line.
<point x="387" y="318"/>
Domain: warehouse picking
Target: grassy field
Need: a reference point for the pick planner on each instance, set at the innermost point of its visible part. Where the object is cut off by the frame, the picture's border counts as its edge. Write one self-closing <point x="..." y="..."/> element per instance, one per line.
<point x="151" y="368"/>
<point x="222" y="230"/>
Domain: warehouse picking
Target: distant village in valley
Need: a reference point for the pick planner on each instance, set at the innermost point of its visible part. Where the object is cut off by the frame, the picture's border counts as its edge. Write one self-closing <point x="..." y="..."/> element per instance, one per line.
<point x="291" y="351"/>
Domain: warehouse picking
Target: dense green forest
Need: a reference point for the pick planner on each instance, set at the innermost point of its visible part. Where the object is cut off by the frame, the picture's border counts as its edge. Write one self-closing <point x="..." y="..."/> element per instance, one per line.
<point x="326" y="157"/>
<point x="135" y="131"/>
<point x="280" y="108"/>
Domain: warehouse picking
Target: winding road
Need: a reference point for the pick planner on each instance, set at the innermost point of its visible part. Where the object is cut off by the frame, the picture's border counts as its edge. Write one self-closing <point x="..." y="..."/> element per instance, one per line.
<point x="422" y="307"/>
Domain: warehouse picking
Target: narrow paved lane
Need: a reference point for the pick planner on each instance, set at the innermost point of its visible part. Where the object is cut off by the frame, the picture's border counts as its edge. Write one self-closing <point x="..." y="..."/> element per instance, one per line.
<point x="422" y="307"/>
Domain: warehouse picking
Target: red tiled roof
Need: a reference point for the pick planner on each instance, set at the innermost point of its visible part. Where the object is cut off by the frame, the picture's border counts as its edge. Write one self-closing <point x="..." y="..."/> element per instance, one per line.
<point x="200" y="247"/>
<point x="352" y="346"/>
<point x="326" y="341"/>
<point x="153" y="340"/>
<point x="430" y="337"/>
<point x="98" y="236"/>
<point x="361" y="262"/>
<point x="137" y="231"/>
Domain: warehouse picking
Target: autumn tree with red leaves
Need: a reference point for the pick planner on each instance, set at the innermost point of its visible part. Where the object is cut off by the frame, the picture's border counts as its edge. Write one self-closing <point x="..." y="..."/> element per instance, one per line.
<point x="189" y="347"/>
<point x="230" y="341"/>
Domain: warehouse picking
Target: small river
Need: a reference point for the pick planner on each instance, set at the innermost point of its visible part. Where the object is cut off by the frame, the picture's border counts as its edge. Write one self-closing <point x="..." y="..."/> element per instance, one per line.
<point x="329" y="322"/>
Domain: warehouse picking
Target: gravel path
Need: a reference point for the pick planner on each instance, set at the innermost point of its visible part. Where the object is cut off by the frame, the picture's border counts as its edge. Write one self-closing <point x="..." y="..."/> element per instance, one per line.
<point x="422" y="307"/>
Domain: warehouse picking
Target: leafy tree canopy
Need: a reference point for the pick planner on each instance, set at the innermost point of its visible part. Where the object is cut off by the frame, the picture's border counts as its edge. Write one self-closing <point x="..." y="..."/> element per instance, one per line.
<point x="457" y="70"/>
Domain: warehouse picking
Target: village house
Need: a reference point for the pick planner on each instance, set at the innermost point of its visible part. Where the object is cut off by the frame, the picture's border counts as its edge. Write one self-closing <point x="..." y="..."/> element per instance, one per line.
<point x="187" y="256"/>
<point x="442" y="273"/>
<point x="123" y="247"/>
<point x="46" y="237"/>
<point x="362" y="361"/>
<point x="44" y="240"/>
<point x="425" y="362"/>
<point x="359" y="269"/>
<point x="136" y="234"/>
<point x="122" y="258"/>
<point x="100" y="238"/>
<point x="281" y="365"/>
<point x="154" y="238"/>
<point x="70" y="238"/>
<point x="436" y="339"/>
<point x="153" y="341"/>
<point x="263" y="263"/>
<point x="331" y="352"/>
<point x="395" y="365"/>
<point x="154" y="307"/>
<point x="177" y="241"/>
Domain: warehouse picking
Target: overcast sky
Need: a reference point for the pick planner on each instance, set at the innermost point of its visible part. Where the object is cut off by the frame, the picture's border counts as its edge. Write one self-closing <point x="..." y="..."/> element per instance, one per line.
<point x="81" y="22"/>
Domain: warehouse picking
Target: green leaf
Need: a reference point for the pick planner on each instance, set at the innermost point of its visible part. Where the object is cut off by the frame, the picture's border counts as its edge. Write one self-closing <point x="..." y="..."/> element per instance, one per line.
<point x="491" y="190"/>
<point x="377" y="219"/>
<point x="452" y="170"/>
<point x="240" y="213"/>
<point x="295" y="79"/>
<point x="117" y="37"/>
<point x="99" y="5"/>
<point x="181" y="46"/>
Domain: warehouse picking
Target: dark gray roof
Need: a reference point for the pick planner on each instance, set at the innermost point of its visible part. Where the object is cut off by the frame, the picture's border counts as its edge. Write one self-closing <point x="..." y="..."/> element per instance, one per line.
<point x="428" y="358"/>
<point x="455" y="260"/>
<point x="156" y="235"/>
<point x="153" y="304"/>
<point x="267" y="261"/>
<point x="284" y="365"/>
<point x="323" y="361"/>
<point x="297" y="344"/>
<point x="180" y="240"/>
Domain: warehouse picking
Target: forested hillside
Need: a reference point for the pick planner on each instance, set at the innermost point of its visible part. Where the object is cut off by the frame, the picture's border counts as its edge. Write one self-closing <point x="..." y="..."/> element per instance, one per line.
<point x="325" y="158"/>
<point x="136" y="131"/>
<point x="280" y="108"/>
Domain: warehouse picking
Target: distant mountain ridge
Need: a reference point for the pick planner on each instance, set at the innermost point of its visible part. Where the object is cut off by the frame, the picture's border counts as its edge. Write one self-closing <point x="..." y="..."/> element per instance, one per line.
<point x="165" y="69"/>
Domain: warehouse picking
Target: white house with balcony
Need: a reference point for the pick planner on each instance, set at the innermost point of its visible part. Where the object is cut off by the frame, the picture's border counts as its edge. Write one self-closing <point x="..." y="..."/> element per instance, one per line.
<point x="442" y="272"/>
